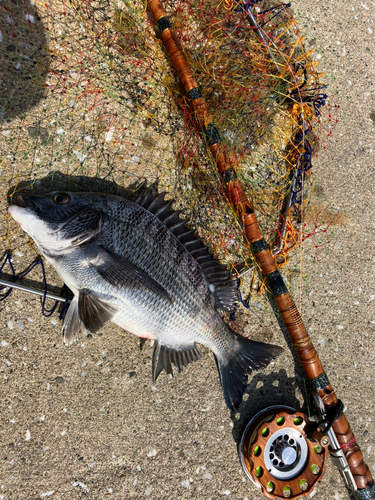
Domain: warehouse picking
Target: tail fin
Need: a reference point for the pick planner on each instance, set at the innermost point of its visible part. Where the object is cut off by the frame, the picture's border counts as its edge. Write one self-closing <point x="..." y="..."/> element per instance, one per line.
<point x="249" y="356"/>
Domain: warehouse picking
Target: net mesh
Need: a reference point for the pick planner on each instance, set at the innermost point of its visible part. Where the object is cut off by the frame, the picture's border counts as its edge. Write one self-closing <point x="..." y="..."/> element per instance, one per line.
<point x="90" y="101"/>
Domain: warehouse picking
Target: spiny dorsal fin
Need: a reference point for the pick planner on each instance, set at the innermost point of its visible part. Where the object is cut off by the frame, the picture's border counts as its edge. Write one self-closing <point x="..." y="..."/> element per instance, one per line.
<point x="164" y="211"/>
<point x="145" y="200"/>
<point x="221" y="285"/>
<point x="172" y="219"/>
<point x="164" y="356"/>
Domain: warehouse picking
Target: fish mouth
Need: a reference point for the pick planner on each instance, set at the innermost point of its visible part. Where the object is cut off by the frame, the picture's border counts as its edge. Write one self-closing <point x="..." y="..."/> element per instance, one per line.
<point x="23" y="201"/>
<point x="20" y="201"/>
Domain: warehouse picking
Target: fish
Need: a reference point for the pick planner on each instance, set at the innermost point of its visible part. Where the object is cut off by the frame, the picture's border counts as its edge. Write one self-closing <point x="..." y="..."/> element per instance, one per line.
<point x="138" y="265"/>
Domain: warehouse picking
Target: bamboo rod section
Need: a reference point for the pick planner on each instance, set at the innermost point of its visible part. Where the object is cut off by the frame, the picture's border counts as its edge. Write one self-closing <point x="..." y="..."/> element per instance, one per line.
<point x="292" y="319"/>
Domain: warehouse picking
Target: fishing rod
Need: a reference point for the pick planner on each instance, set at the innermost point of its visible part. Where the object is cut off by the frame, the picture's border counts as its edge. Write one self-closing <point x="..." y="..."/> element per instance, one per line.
<point x="332" y="428"/>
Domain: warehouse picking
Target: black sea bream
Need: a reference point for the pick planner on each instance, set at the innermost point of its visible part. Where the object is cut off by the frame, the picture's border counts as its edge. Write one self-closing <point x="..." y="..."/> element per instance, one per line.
<point x="137" y="264"/>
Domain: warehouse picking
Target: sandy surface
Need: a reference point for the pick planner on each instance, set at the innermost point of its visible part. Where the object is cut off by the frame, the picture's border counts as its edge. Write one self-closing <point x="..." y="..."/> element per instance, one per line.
<point x="85" y="421"/>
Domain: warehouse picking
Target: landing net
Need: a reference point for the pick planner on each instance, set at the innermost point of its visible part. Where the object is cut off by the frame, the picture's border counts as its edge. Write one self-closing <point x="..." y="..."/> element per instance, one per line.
<point x="90" y="101"/>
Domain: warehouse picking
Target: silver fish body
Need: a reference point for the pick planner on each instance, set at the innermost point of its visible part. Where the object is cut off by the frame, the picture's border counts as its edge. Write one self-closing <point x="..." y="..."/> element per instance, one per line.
<point x="140" y="267"/>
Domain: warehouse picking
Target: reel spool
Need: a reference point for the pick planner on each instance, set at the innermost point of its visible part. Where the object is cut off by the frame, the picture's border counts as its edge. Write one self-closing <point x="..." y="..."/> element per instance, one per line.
<point x="277" y="456"/>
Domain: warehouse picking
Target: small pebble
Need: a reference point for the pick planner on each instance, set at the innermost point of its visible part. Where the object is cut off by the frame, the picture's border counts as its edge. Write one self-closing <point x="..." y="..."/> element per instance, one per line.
<point x="81" y="485"/>
<point x="186" y="484"/>
<point x="80" y="156"/>
<point x="109" y="134"/>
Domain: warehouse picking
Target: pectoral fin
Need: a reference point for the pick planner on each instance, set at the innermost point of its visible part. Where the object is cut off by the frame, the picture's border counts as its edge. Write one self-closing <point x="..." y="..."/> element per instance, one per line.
<point x="120" y="272"/>
<point x="72" y="325"/>
<point x="93" y="312"/>
<point x="86" y="313"/>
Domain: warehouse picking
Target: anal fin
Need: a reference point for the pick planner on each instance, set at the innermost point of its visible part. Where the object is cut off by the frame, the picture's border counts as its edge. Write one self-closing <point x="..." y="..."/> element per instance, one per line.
<point x="164" y="356"/>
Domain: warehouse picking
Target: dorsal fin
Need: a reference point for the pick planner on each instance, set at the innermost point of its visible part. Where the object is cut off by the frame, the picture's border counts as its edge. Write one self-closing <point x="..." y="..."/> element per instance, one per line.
<point x="145" y="200"/>
<point x="179" y="228"/>
<point x="164" y="211"/>
<point x="172" y="219"/>
<point x="221" y="285"/>
<point x="157" y="203"/>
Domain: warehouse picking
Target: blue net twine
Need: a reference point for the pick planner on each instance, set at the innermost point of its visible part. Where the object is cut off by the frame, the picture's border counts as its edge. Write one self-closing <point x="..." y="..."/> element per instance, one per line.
<point x="8" y="259"/>
<point x="46" y="313"/>
<point x="246" y="304"/>
<point x="319" y="102"/>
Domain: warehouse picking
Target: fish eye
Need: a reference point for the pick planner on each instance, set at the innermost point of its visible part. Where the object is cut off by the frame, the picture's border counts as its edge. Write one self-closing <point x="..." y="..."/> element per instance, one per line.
<point x="61" y="198"/>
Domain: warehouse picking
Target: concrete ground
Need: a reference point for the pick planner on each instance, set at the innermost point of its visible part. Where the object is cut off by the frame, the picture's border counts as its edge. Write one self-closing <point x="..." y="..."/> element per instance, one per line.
<point x="85" y="422"/>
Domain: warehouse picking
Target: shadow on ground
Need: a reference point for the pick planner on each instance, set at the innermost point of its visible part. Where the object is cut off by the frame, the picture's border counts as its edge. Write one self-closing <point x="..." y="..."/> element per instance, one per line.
<point x="24" y="59"/>
<point x="56" y="181"/>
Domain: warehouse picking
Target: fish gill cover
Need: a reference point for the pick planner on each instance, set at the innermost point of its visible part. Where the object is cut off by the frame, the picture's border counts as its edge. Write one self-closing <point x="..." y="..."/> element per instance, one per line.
<point x="89" y="94"/>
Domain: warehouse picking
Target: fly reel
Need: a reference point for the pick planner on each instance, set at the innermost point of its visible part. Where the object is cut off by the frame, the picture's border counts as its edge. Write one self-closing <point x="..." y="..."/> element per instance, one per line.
<point x="277" y="456"/>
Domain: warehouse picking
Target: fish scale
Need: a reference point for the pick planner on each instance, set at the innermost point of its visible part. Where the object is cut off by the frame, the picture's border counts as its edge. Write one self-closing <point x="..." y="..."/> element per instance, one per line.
<point x="133" y="264"/>
<point x="158" y="238"/>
